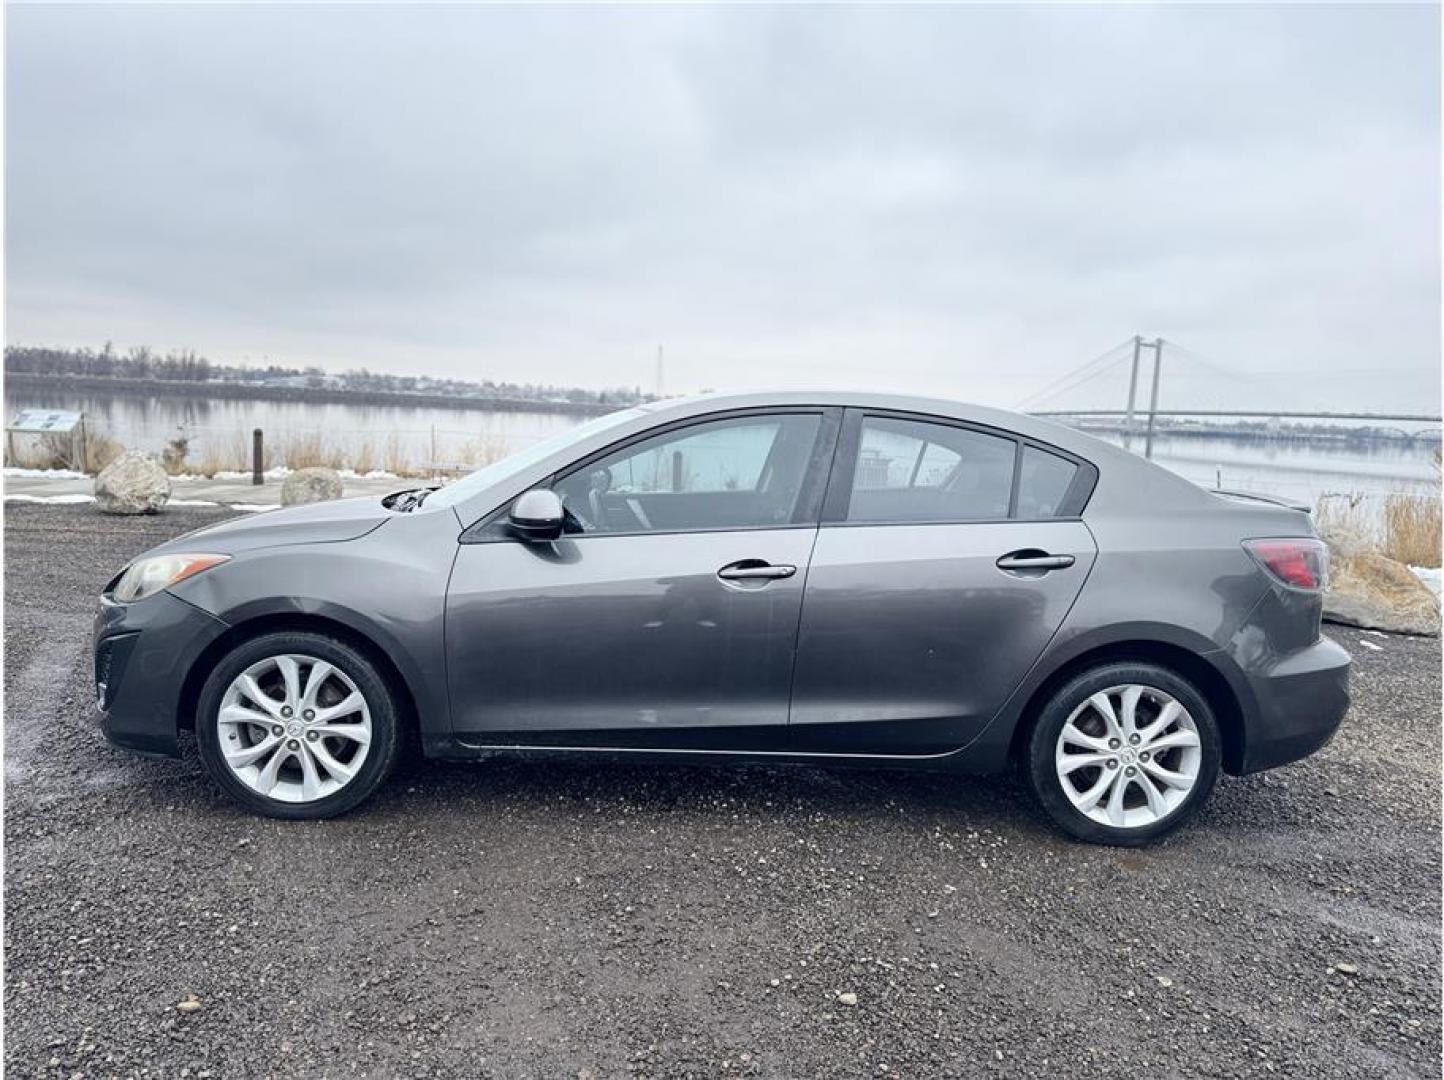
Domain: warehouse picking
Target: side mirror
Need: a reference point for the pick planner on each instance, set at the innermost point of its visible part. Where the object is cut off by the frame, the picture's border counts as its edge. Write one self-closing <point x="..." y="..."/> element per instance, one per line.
<point x="536" y="516"/>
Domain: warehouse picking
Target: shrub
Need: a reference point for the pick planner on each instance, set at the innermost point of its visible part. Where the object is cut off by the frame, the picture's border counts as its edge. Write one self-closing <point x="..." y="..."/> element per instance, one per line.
<point x="1412" y="529"/>
<point x="173" y="456"/>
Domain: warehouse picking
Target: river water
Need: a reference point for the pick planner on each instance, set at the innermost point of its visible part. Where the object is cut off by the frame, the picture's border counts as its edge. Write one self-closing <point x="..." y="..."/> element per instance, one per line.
<point x="218" y="432"/>
<point x="220" y="429"/>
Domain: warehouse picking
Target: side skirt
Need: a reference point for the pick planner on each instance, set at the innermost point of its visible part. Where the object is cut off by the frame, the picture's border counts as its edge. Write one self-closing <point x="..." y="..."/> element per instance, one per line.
<point x="954" y="760"/>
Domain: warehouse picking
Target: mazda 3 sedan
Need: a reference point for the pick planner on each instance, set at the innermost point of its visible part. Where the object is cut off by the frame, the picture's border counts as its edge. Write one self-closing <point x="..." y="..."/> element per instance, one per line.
<point x="827" y="578"/>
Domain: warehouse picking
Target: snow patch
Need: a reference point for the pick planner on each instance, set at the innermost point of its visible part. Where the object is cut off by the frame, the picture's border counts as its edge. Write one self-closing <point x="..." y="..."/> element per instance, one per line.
<point x="279" y="472"/>
<point x="374" y="474"/>
<point x="78" y="499"/>
<point x="1429" y="575"/>
<point x="50" y="498"/>
<point x="46" y="474"/>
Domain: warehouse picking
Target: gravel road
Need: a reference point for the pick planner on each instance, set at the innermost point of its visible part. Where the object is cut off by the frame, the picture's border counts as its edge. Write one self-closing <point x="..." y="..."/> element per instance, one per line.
<point x="602" y="920"/>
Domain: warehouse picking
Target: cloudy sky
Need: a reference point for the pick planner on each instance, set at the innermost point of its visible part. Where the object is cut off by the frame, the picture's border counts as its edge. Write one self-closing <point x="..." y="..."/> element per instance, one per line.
<point x="968" y="200"/>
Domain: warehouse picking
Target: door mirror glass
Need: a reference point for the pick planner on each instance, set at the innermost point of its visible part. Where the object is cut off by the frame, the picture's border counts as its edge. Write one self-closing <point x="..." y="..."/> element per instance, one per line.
<point x="536" y="516"/>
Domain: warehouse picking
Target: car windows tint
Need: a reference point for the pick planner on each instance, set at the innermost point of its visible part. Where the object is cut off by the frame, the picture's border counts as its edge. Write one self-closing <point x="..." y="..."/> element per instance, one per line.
<point x="714" y="458"/>
<point x="909" y="470"/>
<point x="745" y="472"/>
<point x="1044" y="481"/>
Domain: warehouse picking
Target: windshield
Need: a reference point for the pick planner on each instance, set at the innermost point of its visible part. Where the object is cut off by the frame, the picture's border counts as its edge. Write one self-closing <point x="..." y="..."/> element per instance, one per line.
<point x="487" y="475"/>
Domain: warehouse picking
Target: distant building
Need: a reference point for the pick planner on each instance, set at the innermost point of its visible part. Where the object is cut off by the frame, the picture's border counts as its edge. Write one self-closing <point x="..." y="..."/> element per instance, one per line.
<point x="306" y="382"/>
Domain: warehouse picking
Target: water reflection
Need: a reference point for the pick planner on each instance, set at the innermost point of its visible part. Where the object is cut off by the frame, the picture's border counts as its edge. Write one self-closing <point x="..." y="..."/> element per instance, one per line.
<point x="422" y="434"/>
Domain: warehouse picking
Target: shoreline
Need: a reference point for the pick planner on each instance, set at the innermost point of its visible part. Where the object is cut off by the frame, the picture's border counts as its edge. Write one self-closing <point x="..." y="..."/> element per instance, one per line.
<point x="231" y="391"/>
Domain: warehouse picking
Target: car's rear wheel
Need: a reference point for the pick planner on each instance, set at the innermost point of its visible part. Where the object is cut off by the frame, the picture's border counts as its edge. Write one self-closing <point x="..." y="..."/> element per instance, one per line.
<point x="1124" y="753"/>
<point x="297" y="725"/>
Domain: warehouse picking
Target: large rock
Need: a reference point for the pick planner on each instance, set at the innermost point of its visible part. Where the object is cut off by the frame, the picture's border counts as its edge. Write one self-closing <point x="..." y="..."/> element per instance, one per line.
<point x="1375" y="592"/>
<point x="133" y="483"/>
<point x="310" y="486"/>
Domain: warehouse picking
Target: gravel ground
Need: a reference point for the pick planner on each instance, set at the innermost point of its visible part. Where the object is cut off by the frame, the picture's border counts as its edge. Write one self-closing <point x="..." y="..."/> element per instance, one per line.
<point x="600" y="920"/>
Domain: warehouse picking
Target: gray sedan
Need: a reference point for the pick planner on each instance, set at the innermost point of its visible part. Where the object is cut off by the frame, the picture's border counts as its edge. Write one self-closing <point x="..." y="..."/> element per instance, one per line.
<point x="828" y="578"/>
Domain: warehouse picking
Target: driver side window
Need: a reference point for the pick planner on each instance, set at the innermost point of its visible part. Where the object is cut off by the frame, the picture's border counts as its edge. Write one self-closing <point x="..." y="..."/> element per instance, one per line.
<point x="739" y="473"/>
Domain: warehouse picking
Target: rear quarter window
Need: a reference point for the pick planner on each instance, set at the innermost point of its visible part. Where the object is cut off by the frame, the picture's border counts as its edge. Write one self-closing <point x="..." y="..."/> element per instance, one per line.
<point x="1043" y="482"/>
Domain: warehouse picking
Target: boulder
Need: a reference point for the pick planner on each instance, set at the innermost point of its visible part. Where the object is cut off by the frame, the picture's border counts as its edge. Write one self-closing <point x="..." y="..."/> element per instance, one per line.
<point x="310" y="486"/>
<point x="1372" y="591"/>
<point x="133" y="483"/>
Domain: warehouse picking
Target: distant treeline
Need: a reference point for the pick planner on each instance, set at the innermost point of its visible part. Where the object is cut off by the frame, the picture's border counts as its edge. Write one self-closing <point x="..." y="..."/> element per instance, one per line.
<point x="187" y="366"/>
<point x="1270" y="431"/>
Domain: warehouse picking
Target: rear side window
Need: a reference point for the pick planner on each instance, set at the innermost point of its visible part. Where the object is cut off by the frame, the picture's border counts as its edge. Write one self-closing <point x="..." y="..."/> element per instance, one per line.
<point x="1043" y="483"/>
<point x="912" y="470"/>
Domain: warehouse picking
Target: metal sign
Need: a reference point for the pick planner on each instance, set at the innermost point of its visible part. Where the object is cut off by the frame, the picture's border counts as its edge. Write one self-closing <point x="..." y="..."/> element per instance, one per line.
<point x="45" y="421"/>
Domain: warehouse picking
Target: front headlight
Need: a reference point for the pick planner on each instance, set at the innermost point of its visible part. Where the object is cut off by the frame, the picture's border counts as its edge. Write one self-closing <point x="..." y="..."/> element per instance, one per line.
<point x="146" y="577"/>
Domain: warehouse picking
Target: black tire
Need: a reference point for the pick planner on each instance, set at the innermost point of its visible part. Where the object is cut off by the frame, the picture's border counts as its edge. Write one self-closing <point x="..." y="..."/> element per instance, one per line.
<point x="382" y="752"/>
<point x="1041" y="770"/>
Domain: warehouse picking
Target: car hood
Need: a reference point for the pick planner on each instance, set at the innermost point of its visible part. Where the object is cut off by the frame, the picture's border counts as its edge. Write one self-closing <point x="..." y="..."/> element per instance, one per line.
<point x="314" y="523"/>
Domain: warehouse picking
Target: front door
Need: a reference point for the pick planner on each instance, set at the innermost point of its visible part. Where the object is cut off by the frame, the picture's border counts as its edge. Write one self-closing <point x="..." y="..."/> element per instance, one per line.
<point x="946" y="561"/>
<point x="666" y="617"/>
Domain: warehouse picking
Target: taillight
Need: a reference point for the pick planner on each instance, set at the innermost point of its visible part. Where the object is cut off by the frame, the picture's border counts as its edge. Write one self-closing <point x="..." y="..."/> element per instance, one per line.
<point x="1300" y="563"/>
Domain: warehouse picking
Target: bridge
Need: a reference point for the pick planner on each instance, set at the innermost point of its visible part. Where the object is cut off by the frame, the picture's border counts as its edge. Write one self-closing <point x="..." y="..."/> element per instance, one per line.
<point x="1127" y="356"/>
<point x="1412" y="418"/>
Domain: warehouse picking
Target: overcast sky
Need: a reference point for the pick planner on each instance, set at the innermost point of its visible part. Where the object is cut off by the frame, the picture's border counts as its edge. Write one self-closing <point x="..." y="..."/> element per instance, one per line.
<point x="963" y="200"/>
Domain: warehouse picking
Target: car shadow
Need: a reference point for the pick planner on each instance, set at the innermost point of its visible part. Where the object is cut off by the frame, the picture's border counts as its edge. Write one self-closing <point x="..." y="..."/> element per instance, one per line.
<point x="612" y="786"/>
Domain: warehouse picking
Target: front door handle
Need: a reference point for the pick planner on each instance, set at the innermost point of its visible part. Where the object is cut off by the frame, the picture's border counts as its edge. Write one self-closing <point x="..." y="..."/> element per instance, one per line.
<point x="754" y="570"/>
<point x="1030" y="560"/>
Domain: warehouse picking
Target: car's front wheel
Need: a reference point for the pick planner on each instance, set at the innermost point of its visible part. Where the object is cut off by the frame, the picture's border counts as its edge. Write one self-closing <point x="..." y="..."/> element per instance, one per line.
<point x="297" y="725"/>
<point x="1124" y="753"/>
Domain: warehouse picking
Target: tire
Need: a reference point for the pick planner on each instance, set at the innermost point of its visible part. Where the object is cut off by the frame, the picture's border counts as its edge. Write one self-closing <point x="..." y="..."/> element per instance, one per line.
<point x="303" y="753"/>
<point x="1065" y="774"/>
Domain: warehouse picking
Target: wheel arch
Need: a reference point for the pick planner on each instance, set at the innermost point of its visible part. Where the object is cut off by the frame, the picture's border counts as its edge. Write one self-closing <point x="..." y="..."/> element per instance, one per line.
<point x="1213" y="684"/>
<point x="308" y="622"/>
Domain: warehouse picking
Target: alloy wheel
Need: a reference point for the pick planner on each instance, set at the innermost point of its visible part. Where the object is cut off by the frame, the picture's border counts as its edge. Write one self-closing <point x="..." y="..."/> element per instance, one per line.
<point x="1128" y="756"/>
<point x="294" y="728"/>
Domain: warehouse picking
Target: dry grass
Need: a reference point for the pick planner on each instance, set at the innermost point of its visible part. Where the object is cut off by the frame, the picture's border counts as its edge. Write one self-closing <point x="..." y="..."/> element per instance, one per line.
<point x="309" y="449"/>
<point x="41" y="453"/>
<point x="59" y="452"/>
<point x="1412" y="529"/>
<point x="1345" y="513"/>
<point x="306" y="449"/>
<point x="395" y="458"/>
<point x="1405" y="528"/>
<point x="100" y="451"/>
<point x="482" y="450"/>
<point x="363" y="457"/>
<point x="218" y="452"/>
<point x="231" y="455"/>
<point x="176" y="453"/>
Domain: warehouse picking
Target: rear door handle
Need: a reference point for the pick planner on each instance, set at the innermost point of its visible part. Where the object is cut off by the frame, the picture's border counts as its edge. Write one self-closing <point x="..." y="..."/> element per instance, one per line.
<point x="1021" y="561"/>
<point x="753" y="570"/>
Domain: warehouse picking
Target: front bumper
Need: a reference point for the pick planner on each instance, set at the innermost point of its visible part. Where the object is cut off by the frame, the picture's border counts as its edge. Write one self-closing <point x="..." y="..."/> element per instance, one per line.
<point x="143" y="652"/>
<point x="1300" y="701"/>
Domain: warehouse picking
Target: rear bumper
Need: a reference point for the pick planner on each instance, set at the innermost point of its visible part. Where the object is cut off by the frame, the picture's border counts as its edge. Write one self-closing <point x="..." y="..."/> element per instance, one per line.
<point x="1299" y="702"/>
<point x="143" y="652"/>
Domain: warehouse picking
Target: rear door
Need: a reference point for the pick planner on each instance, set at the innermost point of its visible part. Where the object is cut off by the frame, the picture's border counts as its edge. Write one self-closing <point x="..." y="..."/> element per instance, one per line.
<point x="947" y="558"/>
